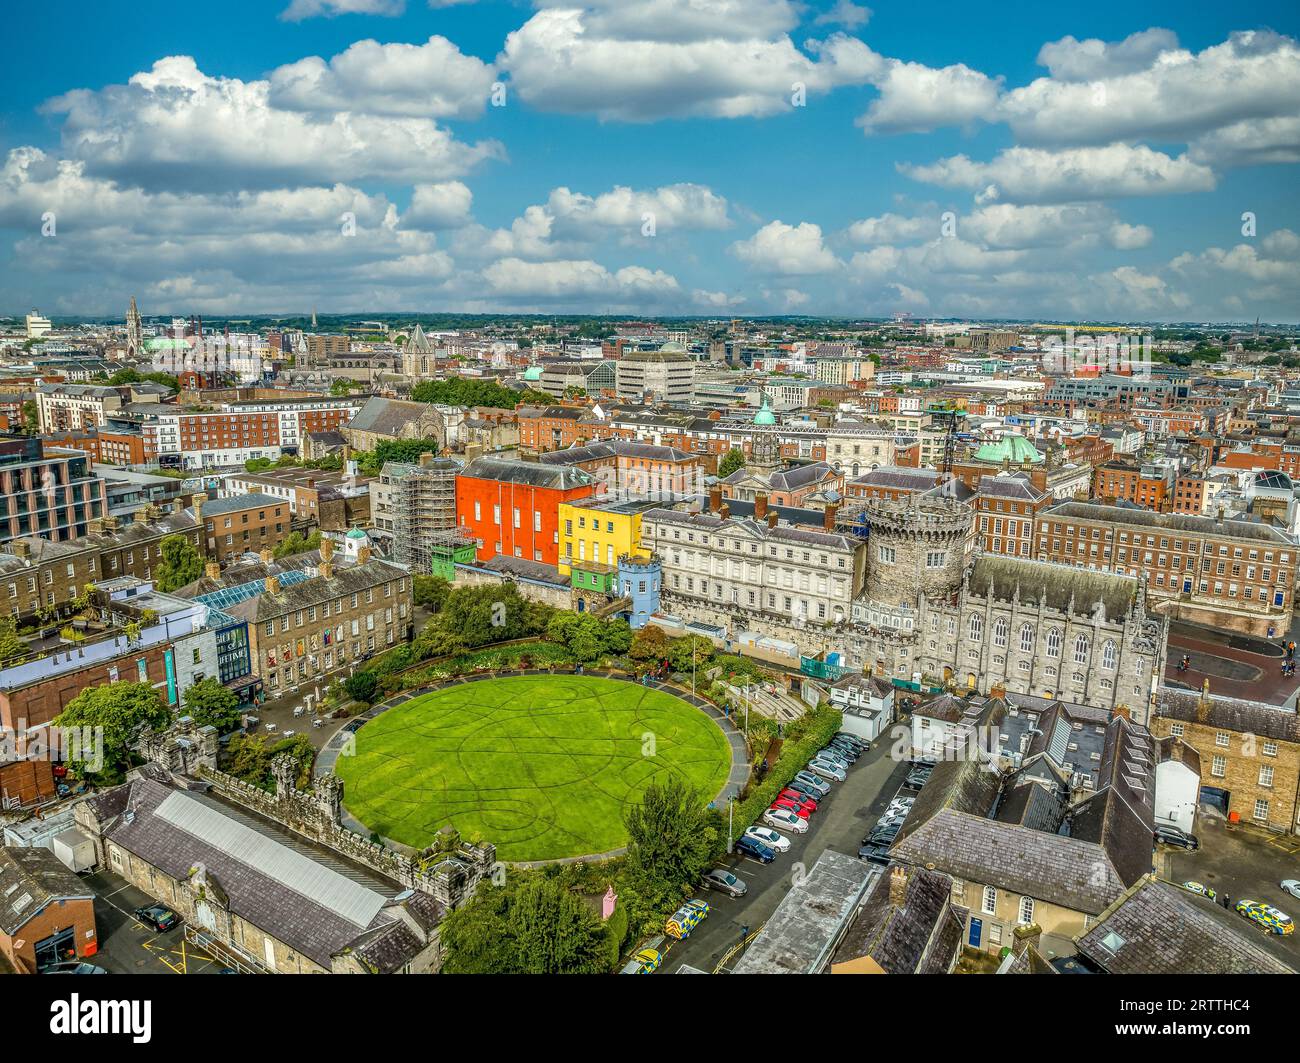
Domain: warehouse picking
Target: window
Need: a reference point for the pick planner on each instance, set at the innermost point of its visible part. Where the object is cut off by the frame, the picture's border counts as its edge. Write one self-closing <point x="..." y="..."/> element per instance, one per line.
<point x="885" y="554"/>
<point x="1261" y="811"/>
<point x="1219" y="767"/>
<point x="1177" y="730"/>
<point x="1266" y="775"/>
<point x="1026" y="914"/>
<point x="1081" y="650"/>
<point x="1270" y="749"/>
<point x="1027" y="638"/>
<point x="1108" y="655"/>
<point x="935" y="559"/>
<point x="975" y="627"/>
<point x="1221" y="739"/>
<point x="1000" y="631"/>
<point x="1054" y="643"/>
<point x="990" y="902"/>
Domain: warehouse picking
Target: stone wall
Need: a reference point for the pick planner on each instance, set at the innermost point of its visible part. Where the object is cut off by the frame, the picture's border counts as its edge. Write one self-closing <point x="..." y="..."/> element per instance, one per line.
<point x="905" y="535"/>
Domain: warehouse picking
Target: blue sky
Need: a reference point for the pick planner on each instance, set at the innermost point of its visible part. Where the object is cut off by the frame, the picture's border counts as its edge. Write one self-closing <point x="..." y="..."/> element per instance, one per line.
<point x="652" y="156"/>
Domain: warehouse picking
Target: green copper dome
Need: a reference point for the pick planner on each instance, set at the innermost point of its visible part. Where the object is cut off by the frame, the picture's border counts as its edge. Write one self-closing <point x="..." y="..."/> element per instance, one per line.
<point x="1016" y="450"/>
<point x="765" y="416"/>
<point x="533" y="372"/>
<point x="356" y="533"/>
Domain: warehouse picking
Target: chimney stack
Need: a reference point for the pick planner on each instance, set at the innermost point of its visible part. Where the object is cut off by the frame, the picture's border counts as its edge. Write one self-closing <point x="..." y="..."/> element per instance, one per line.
<point x="272" y="585"/>
<point x="1025" y="936"/>
<point x="326" y="549"/>
<point x="21" y="548"/>
<point x="715" y="499"/>
<point x="426" y="459"/>
<point x="326" y="569"/>
<point x="177" y="505"/>
<point x="212" y="570"/>
<point x="772" y="518"/>
<point x="363" y="555"/>
<point x="142" y="516"/>
<point x="897" y="886"/>
<point x="725" y="512"/>
<point x="760" y="506"/>
<point x="828" y="517"/>
<point x="199" y="500"/>
<point x="266" y="555"/>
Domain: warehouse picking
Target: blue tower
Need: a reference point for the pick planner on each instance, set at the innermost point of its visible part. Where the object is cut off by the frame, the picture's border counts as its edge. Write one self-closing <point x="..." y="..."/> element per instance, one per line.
<point x="639" y="578"/>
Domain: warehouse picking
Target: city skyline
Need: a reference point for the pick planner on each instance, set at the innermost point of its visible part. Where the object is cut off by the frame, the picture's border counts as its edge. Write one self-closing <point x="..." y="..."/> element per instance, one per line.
<point x="657" y="157"/>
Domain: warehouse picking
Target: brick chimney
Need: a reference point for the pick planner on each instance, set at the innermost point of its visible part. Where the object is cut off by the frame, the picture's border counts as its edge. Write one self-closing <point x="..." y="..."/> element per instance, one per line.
<point x="760" y="506"/>
<point x="177" y="505"/>
<point x="272" y="585"/>
<point x="1203" y="705"/>
<point x="363" y="555"/>
<point x="199" y="500"/>
<point x="715" y="499"/>
<point x="266" y="555"/>
<point x="212" y="570"/>
<point x="897" y="886"/>
<point x="725" y="512"/>
<point x="326" y="549"/>
<point x="998" y="690"/>
<point x="828" y="517"/>
<point x="1022" y="937"/>
<point x="426" y="459"/>
<point x="772" y="518"/>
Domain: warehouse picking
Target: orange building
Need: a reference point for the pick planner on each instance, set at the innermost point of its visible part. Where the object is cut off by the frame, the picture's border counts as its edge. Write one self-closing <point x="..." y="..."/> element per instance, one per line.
<point x="512" y="508"/>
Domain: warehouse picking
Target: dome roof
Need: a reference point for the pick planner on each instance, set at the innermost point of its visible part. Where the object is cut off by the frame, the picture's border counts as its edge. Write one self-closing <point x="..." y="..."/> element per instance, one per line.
<point x="533" y="372"/>
<point x="673" y="347"/>
<point x="765" y="416"/>
<point x="356" y="533"/>
<point x="1015" y="449"/>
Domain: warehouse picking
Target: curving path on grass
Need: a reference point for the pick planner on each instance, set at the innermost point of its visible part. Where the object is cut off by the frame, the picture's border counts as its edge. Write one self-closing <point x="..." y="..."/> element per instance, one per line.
<point x="540" y="762"/>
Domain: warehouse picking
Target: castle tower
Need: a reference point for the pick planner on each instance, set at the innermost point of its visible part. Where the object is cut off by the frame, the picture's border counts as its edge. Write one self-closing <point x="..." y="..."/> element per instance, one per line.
<point x="916" y="545"/>
<point x="134" y="331"/>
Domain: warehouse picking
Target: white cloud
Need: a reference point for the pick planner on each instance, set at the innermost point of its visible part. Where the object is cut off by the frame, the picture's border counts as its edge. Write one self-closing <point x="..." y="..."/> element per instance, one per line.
<point x="175" y="127"/>
<point x="641" y="60"/>
<point x="1030" y="175"/>
<point x="1255" y="142"/>
<point x="299" y="10"/>
<point x="786" y="250"/>
<point x="1073" y="60"/>
<point x="445" y="205"/>
<point x="1177" y="96"/>
<point x="576" y="280"/>
<point x="917" y="98"/>
<point x="716" y="300"/>
<point x="430" y="80"/>
<point x="845" y="13"/>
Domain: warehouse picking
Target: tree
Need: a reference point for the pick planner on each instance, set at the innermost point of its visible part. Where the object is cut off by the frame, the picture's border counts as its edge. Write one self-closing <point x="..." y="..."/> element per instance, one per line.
<point x="672" y="840"/>
<point x="210" y="703"/>
<point x="483" y="615"/>
<point x="532" y="925"/>
<point x="180" y="564"/>
<point x="430" y="592"/>
<point x="31" y="418"/>
<point x="120" y="712"/>
<point x="11" y="646"/>
<point x="297" y="543"/>
<point x="690" y="651"/>
<point x="731" y="461"/>
<point x="650" y="644"/>
<point x="361" y="686"/>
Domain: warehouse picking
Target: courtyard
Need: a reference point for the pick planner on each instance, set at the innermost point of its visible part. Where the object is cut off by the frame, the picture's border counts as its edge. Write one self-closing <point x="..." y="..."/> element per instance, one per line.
<point x="542" y="766"/>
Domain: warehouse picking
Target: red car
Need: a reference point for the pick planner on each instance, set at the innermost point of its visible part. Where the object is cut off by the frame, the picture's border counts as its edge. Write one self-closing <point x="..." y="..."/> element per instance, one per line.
<point x="794" y="795"/>
<point x="802" y="811"/>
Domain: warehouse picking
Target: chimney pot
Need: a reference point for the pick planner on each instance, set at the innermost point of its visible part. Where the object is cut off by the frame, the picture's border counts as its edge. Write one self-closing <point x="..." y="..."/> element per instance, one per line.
<point x="272" y="585"/>
<point x="326" y="549"/>
<point x="266" y="555"/>
<point x="897" y="886"/>
<point x="760" y="506"/>
<point x="715" y="499"/>
<point x="772" y="518"/>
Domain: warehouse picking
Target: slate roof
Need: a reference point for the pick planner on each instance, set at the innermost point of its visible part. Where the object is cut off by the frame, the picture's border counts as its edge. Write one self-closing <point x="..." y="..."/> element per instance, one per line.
<point x="709" y="522"/>
<point x="387" y="417"/>
<point x="238" y="503"/>
<point x="1158" y="928"/>
<point x="240" y="854"/>
<point x="1174" y="522"/>
<point x="1064" y="588"/>
<point x="578" y="455"/>
<point x="30" y="879"/>
<point x="899" y="477"/>
<point x="921" y="936"/>
<point x="346" y="579"/>
<point x="1014" y="487"/>
<point x="1229" y="714"/>
<point x="531" y="473"/>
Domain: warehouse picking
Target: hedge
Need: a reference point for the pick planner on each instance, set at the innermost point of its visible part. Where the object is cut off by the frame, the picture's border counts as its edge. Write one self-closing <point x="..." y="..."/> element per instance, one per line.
<point x="806" y="736"/>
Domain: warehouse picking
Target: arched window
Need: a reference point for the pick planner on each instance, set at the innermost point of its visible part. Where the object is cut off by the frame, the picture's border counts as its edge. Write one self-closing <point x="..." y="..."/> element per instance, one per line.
<point x="1027" y="638"/>
<point x="975" y="627"/>
<point x="1108" y="655"/>
<point x="1000" y="630"/>
<point x="1054" y="643"/>
<point x="1081" y="650"/>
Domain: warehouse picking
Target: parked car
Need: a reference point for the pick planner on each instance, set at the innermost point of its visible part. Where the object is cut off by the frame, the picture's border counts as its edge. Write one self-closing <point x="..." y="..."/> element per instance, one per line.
<point x="1167" y="835"/>
<point x="802" y="798"/>
<point x="724" y="881"/>
<point x="844" y="753"/>
<point x="882" y="836"/>
<point x="685" y="919"/>
<point x="775" y="841"/>
<point x="1265" y="915"/>
<point x="646" y="959"/>
<point x="1198" y="887"/>
<point x="785" y="819"/>
<point x="820" y="787"/>
<point x="827" y="770"/>
<point x="826" y="753"/>
<point x="800" y="787"/>
<point x="899" y="804"/>
<point x="844" y="736"/>
<point x="837" y="742"/>
<point x="876" y="854"/>
<point x="158" y="917"/>
<point x="1291" y="886"/>
<point x="916" y="779"/>
<point x="73" y="967"/>
<point x="756" y="849"/>
<point x="785" y="805"/>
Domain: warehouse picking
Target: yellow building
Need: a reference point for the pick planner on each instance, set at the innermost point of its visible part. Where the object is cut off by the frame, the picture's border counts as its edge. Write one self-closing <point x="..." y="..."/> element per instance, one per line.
<point x="594" y="535"/>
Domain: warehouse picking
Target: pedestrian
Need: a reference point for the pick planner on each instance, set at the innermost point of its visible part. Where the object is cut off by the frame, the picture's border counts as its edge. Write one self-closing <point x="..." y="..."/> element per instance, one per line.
<point x="744" y="933"/>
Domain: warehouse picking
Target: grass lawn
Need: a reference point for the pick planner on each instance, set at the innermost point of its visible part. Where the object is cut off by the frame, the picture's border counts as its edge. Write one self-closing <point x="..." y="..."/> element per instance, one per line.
<point x="541" y="766"/>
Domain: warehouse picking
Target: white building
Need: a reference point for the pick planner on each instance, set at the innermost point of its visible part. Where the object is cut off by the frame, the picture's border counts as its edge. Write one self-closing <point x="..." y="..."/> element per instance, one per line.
<point x="1178" y="783"/>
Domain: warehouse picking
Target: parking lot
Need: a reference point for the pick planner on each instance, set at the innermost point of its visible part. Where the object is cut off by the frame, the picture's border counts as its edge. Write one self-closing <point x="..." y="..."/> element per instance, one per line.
<point x="1245" y="863"/>
<point x="840" y="823"/>
<point x="127" y="946"/>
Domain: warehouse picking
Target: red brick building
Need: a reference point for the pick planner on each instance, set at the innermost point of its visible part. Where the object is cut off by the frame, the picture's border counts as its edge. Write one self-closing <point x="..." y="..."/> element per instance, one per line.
<point x="56" y="924"/>
<point x="512" y="507"/>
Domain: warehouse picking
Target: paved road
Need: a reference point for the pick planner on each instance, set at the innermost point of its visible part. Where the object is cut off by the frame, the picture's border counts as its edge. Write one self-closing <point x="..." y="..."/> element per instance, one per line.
<point x="840" y="823"/>
<point x="1244" y="862"/>
<point x="1237" y="666"/>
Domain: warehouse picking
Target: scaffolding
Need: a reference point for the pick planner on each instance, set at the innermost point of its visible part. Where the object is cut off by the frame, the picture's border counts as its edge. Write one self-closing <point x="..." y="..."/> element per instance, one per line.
<point x="424" y="505"/>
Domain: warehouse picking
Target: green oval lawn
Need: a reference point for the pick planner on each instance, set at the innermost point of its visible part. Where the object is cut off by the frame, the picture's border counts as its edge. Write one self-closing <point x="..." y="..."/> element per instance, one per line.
<point x="541" y="766"/>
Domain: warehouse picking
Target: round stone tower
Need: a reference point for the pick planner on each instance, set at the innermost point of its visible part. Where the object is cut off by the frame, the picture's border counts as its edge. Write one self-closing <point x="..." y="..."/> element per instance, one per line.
<point x="916" y="546"/>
